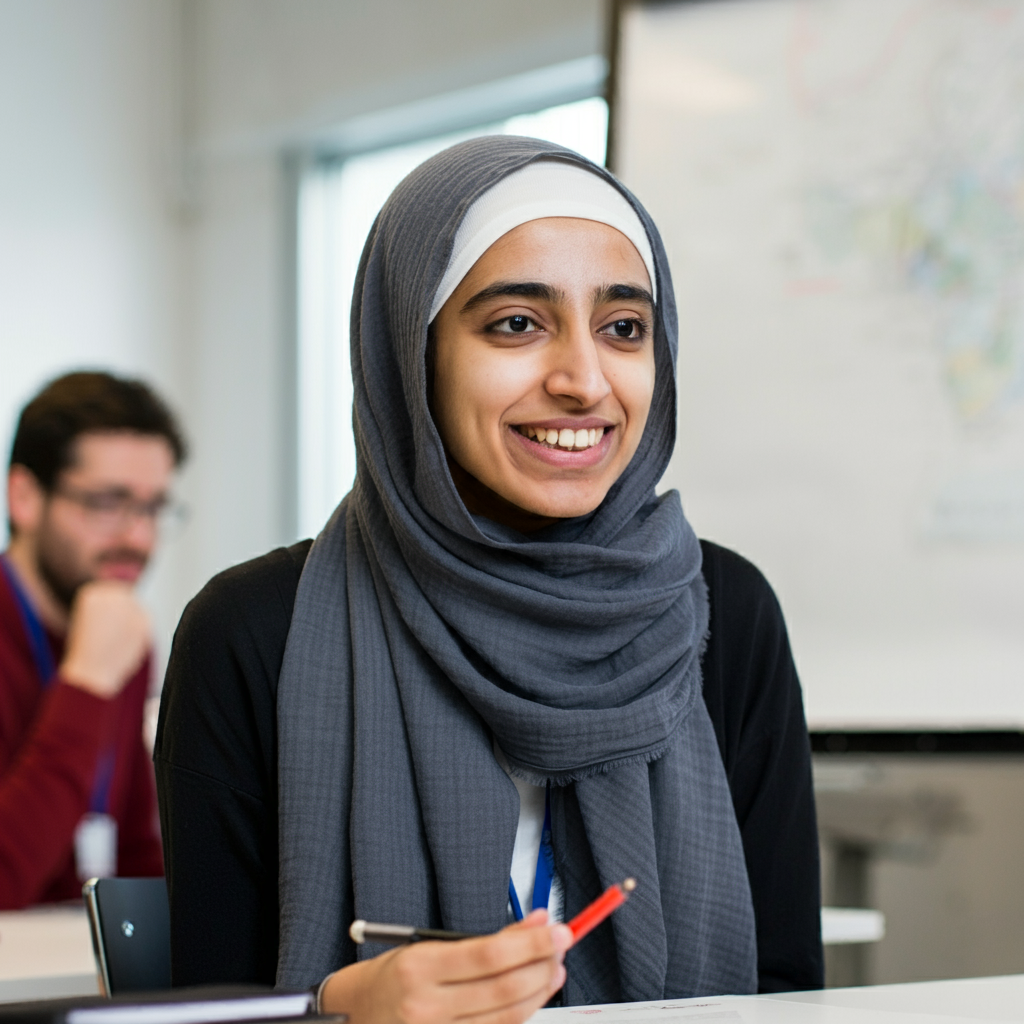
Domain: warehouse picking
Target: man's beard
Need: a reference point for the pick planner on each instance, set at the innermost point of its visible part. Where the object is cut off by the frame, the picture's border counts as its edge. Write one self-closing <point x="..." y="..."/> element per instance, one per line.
<point x="63" y="573"/>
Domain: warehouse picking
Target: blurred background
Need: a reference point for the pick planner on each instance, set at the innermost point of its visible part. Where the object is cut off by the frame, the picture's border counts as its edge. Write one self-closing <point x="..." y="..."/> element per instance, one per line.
<point x="157" y="158"/>
<point x="185" y="187"/>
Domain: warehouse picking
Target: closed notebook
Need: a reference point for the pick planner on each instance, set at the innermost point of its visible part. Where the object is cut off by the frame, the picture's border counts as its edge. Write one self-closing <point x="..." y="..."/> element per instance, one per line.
<point x="204" y="1005"/>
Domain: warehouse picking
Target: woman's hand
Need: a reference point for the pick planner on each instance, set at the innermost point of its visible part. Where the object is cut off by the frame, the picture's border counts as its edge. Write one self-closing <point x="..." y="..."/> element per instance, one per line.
<point x="496" y="979"/>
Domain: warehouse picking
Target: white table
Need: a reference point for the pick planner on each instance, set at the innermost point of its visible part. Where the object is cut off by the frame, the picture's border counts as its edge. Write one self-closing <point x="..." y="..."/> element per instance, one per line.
<point x="969" y="999"/>
<point x="46" y="952"/>
<point x="932" y="1002"/>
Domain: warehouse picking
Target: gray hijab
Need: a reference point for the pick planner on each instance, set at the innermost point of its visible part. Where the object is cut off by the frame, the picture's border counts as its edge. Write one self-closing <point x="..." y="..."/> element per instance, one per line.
<point x="421" y="634"/>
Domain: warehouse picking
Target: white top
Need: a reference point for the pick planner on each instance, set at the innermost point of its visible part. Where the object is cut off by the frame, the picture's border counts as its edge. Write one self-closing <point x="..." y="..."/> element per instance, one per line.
<point x="527" y="846"/>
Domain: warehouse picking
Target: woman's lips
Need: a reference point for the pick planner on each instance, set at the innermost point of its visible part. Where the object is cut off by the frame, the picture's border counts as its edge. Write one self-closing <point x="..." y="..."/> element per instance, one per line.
<point x="560" y="454"/>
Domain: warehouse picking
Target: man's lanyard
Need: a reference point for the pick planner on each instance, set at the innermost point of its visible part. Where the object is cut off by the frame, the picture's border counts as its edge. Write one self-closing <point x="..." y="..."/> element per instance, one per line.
<point x="42" y="655"/>
<point x="545" y="867"/>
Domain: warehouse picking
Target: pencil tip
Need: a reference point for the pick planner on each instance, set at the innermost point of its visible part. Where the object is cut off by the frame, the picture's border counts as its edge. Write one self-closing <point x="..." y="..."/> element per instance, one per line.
<point x="629" y="884"/>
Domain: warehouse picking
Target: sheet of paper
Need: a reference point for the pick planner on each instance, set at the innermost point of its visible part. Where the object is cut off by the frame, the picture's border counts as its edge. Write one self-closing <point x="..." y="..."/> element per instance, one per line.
<point x="739" y="1010"/>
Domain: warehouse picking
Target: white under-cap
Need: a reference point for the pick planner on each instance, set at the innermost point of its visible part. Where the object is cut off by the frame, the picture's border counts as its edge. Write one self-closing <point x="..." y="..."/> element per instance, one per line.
<point x="544" y="188"/>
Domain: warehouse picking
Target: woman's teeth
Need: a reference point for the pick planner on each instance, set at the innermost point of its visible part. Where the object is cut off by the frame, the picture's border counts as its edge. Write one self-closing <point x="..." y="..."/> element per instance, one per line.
<point x="566" y="438"/>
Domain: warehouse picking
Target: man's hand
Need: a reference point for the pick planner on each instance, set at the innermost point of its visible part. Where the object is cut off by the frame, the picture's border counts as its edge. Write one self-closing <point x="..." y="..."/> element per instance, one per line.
<point x="108" y="636"/>
<point x="497" y="979"/>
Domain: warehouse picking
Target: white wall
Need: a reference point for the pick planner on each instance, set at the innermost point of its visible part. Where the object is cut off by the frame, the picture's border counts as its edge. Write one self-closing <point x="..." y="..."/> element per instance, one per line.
<point x="143" y="206"/>
<point x="273" y="70"/>
<point x="89" y="256"/>
<point x="266" y="76"/>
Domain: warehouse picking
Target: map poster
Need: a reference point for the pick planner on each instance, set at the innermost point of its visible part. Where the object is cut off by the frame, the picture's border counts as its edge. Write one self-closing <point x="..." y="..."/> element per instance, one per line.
<point x="840" y="186"/>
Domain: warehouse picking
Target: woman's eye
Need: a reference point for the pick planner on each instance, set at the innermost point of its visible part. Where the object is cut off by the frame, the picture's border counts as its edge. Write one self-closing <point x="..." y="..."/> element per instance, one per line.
<point x="518" y="324"/>
<point x="632" y="329"/>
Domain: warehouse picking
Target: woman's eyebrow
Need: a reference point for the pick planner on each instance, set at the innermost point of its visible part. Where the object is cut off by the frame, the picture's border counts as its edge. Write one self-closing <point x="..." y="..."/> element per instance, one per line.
<point x="514" y="289"/>
<point x="622" y="293"/>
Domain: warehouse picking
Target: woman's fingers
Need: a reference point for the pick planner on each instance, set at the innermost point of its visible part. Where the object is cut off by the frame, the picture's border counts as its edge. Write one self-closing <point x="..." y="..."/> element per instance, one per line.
<point x="473" y="959"/>
<point x="497" y="979"/>
<point x="512" y="996"/>
<point x="533" y="919"/>
<point x="530" y="982"/>
<point x="528" y="987"/>
<point x="517" y="1013"/>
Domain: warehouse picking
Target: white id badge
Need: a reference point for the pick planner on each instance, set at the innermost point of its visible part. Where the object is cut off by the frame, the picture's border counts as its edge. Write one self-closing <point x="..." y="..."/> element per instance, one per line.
<point x="96" y="846"/>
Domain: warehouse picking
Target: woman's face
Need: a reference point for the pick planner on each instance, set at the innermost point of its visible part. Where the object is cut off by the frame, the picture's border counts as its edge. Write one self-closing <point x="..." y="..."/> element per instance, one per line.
<point x="544" y="365"/>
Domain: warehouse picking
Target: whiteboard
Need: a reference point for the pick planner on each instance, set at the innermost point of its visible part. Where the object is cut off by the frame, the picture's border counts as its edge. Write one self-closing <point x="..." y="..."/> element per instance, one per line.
<point x="840" y="186"/>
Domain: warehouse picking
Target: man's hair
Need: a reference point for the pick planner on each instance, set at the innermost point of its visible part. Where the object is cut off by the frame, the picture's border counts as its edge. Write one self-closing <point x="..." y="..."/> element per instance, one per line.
<point x="87" y="402"/>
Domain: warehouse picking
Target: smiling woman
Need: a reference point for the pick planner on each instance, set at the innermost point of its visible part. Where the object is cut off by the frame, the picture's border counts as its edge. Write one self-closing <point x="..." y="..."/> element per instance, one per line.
<point x="544" y="368"/>
<point x="509" y="673"/>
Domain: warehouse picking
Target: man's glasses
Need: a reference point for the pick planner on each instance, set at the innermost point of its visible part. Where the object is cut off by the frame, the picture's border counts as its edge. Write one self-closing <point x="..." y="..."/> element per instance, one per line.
<point x="114" y="511"/>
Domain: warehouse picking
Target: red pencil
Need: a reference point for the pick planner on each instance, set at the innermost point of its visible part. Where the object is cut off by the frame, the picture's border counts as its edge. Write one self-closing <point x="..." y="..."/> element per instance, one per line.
<point x="611" y="899"/>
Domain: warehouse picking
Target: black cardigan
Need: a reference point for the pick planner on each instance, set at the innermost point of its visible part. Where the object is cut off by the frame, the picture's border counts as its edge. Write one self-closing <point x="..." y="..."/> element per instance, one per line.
<point x="216" y="766"/>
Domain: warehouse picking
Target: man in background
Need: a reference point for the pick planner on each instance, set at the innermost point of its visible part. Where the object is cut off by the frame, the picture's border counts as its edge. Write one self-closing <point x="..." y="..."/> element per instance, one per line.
<point x="89" y="478"/>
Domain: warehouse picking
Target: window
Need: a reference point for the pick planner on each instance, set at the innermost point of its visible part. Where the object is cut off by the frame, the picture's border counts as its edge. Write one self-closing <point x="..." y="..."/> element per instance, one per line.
<point x="338" y="201"/>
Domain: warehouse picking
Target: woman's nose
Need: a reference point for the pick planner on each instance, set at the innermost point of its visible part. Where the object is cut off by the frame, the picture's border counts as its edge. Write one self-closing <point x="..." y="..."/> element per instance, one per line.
<point x="575" y="371"/>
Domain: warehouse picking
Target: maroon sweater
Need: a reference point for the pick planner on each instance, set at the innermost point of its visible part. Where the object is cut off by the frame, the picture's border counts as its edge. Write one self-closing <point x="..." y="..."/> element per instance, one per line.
<point x="51" y="741"/>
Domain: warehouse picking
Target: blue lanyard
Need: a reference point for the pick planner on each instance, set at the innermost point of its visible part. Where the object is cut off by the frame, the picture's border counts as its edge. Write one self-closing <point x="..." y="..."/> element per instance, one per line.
<point x="42" y="655"/>
<point x="99" y="802"/>
<point x="34" y="630"/>
<point x="545" y="867"/>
